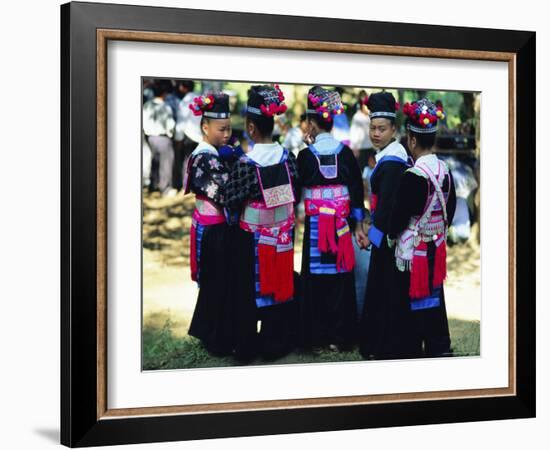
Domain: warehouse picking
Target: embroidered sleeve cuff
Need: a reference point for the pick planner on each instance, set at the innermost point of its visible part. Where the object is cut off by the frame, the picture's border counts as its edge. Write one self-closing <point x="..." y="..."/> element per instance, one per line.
<point x="375" y="236"/>
<point x="357" y="214"/>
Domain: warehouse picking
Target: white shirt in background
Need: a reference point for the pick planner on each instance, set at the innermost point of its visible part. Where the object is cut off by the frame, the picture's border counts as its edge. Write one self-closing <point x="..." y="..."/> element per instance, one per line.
<point x="359" y="131"/>
<point x="294" y="140"/>
<point x="158" y="119"/>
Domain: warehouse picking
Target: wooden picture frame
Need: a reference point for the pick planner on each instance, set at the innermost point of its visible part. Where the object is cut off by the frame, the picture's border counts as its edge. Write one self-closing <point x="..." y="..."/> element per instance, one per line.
<point x="85" y="416"/>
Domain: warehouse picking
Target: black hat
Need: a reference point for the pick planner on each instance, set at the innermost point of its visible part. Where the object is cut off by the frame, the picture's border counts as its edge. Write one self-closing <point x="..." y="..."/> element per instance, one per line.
<point x="265" y="101"/>
<point x="213" y="106"/>
<point x="422" y="115"/>
<point x="382" y="104"/>
<point x="324" y="103"/>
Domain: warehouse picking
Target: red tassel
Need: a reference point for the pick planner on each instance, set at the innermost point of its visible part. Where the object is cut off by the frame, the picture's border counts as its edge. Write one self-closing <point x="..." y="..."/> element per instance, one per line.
<point x="440" y="266"/>
<point x="285" y="276"/>
<point x="420" y="282"/>
<point x="193" y="251"/>
<point x="327" y="231"/>
<point x="267" y="268"/>
<point x="345" y="259"/>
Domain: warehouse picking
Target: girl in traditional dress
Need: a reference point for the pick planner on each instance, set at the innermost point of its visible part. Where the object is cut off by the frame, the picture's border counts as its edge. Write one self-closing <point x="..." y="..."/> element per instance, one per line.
<point x="382" y="316"/>
<point x="263" y="190"/>
<point x="207" y="176"/>
<point x="424" y="207"/>
<point x="333" y="197"/>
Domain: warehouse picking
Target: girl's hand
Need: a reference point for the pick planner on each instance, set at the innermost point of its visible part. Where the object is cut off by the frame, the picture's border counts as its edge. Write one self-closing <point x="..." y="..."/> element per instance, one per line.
<point x="361" y="235"/>
<point x="308" y="139"/>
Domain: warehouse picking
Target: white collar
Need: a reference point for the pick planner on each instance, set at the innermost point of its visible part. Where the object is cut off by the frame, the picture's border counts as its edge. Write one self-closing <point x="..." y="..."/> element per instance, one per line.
<point x="204" y="147"/>
<point x="326" y="144"/>
<point x="323" y="136"/>
<point x="393" y="149"/>
<point x="266" y="154"/>
<point x="430" y="161"/>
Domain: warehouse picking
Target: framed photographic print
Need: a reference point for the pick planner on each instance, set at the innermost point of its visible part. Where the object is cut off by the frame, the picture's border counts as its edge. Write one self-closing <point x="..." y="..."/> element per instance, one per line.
<point x="227" y="269"/>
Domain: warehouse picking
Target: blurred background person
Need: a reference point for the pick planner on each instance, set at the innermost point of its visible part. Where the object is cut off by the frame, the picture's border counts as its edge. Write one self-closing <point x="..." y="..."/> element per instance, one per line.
<point x="294" y="136"/>
<point x="465" y="185"/>
<point x="361" y="146"/>
<point x="362" y="256"/>
<point x="341" y="128"/>
<point x="187" y="133"/>
<point x="158" y="126"/>
<point x="359" y="130"/>
<point x="172" y="99"/>
<point x="369" y="167"/>
<point x="146" y="158"/>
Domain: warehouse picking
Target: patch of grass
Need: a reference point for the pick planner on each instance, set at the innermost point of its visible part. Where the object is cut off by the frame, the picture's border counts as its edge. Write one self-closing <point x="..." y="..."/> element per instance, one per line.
<point x="464" y="337"/>
<point x="163" y="350"/>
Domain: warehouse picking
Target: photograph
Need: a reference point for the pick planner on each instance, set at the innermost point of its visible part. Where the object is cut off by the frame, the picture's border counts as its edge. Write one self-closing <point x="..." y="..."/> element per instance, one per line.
<point x="281" y="224"/>
<point x="302" y="224"/>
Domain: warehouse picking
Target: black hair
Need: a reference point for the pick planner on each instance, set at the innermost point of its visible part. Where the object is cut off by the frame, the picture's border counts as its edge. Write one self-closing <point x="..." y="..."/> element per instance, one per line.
<point x="188" y="84"/>
<point x="263" y="123"/>
<point x="423" y="140"/>
<point x="303" y="117"/>
<point x="322" y="124"/>
<point x="162" y="86"/>
<point x="369" y="152"/>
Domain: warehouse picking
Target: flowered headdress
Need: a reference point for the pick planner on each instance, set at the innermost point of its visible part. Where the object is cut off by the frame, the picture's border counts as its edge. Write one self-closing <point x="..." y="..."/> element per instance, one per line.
<point x="266" y="101"/>
<point x="423" y="115"/>
<point x="323" y="103"/>
<point x="213" y="106"/>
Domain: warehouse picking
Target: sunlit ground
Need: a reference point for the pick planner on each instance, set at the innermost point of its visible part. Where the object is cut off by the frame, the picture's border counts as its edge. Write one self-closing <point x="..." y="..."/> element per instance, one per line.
<point x="169" y="294"/>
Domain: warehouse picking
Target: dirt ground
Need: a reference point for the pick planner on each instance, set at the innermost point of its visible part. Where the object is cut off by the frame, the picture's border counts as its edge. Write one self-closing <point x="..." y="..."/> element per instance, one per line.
<point x="169" y="292"/>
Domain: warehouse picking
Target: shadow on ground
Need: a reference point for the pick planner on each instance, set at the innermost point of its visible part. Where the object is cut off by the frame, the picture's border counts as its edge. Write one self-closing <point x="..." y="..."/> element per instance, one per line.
<point x="164" y="347"/>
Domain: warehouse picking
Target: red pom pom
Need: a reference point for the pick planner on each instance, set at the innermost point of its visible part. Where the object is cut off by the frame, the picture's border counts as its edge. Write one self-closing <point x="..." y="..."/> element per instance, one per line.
<point x="282" y="108"/>
<point x="196" y="110"/>
<point x="269" y="110"/>
<point x="210" y="105"/>
<point x="279" y="93"/>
